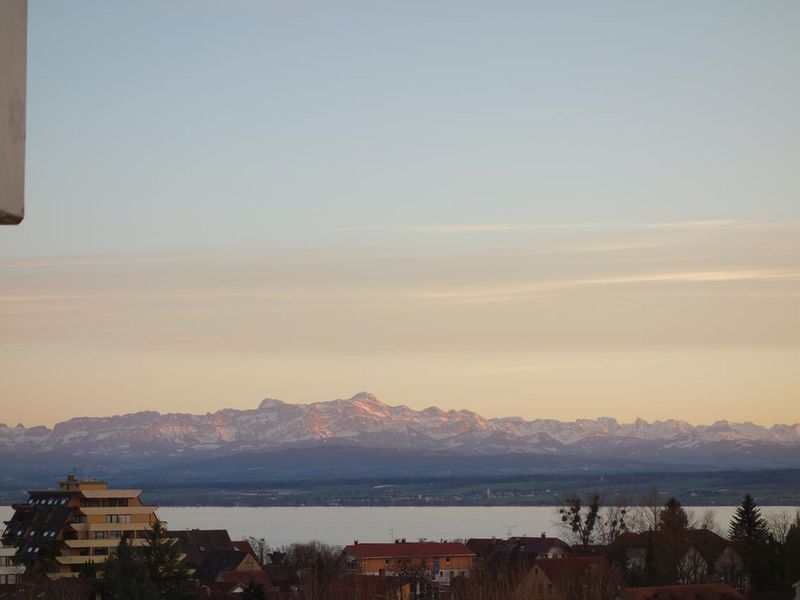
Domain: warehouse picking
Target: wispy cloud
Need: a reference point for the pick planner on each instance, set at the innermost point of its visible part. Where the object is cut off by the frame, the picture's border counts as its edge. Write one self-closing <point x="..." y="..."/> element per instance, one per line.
<point x="90" y="261"/>
<point x="467" y="228"/>
<point x="503" y="293"/>
<point x="31" y="298"/>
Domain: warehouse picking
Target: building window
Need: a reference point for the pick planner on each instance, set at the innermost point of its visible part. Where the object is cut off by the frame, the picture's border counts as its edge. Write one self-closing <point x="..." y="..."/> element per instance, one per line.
<point x="118" y="518"/>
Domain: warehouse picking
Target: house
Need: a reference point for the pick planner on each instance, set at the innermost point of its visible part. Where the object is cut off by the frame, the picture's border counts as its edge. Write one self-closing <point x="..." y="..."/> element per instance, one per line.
<point x="702" y="555"/>
<point x="438" y="562"/>
<point x="59" y="532"/>
<point x="497" y="557"/>
<point x="193" y="543"/>
<point x="573" y="578"/>
<point x="214" y="558"/>
<point x="695" y="591"/>
<point x="368" y="587"/>
<point x="216" y="564"/>
<point x="709" y="557"/>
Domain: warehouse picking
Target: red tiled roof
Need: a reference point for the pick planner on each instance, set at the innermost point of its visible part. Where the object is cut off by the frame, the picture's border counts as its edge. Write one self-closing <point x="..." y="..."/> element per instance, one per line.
<point x="409" y="550"/>
<point x="699" y="591"/>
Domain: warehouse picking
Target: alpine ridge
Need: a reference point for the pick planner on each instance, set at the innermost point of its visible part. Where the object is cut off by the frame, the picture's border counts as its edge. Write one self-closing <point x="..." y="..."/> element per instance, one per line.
<point x="364" y="421"/>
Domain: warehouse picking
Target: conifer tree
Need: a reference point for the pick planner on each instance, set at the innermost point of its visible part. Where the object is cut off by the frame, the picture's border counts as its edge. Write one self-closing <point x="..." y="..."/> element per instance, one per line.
<point x="748" y="530"/>
<point x="126" y="577"/>
<point x="747" y="524"/>
<point x="165" y="565"/>
<point x="791" y="554"/>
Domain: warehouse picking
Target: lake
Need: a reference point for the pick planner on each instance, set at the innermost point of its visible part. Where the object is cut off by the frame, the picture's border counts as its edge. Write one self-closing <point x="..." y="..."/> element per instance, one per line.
<point x="342" y="525"/>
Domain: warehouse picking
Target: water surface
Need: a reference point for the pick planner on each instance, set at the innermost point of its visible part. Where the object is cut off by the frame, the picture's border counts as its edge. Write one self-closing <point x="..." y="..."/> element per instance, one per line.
<point x="342" y="525"/>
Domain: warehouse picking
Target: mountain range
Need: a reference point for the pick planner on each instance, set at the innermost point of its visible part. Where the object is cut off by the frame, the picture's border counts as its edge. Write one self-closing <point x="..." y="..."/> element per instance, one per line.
<point x="365" y="422"/>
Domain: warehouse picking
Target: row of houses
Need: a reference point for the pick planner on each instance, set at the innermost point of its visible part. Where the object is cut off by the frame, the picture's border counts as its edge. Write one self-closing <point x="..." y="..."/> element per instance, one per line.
<point x="57" y="534"/>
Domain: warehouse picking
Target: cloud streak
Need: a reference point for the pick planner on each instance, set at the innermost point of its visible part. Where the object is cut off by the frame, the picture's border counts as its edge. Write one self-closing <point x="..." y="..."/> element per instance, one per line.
<point x="510" y="292"/>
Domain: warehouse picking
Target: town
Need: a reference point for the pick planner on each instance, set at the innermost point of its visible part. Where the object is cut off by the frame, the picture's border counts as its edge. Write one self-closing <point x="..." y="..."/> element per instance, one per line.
<point x="86" y="540"/>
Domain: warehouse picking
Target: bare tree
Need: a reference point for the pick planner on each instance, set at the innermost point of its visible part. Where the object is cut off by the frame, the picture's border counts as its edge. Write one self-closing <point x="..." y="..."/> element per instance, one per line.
<point x="779" y="524"/>
<point x="613" y="521"/>
<point x="646" y="516"/>
<point x="261" y="548"/>
<point x="708" y="522"/>
<point x="579" y="520"/>
<point x="316" y="564"/>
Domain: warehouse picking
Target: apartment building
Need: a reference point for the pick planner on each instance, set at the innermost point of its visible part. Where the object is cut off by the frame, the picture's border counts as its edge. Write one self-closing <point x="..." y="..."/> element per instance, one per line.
<point x="64" y="531"/>
<point x="439" y="562"/>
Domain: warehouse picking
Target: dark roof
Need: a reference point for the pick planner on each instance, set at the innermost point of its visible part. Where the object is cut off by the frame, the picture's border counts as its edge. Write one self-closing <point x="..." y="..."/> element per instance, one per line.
<point x="40" y="526"/>
<point x="244" y="546"/>
<point x="708" y="543"/>
<point x="562" y="570"/>
<point x="216" y="561"/>
<point x="194" y="542"/>
<point x="409" y="550"/>
<point x="700" y="591"/>
<point x="539" y="545"/>
<point x="484" y="547"/>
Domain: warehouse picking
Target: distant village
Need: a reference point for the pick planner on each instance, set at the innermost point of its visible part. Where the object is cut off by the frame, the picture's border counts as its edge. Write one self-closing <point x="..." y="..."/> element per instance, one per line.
<point x="86" y="541"/>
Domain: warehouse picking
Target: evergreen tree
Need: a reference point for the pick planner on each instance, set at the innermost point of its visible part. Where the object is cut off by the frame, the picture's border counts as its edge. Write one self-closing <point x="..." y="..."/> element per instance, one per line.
<point x="673" y="518"/>
<point x="670" y="541"/>
<point x="748" y="530"/>
<point x="165" y="565"/>
<point x="747" y="524"/>
<point x="126" y="577"/>
<point x="791" y="551"/>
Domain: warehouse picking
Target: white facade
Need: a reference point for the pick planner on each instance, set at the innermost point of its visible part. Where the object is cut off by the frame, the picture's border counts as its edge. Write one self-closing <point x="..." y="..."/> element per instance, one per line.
<point x="9" y="572"/>
<point x="13" y="69"/>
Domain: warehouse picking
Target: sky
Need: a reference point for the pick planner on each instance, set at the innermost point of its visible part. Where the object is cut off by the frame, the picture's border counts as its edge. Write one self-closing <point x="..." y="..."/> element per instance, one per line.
<point x="561" y="210"/>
